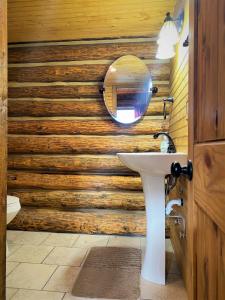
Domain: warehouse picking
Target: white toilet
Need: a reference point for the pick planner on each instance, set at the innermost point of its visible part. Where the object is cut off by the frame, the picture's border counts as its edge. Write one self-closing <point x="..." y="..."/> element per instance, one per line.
<point x="13" y="207"/>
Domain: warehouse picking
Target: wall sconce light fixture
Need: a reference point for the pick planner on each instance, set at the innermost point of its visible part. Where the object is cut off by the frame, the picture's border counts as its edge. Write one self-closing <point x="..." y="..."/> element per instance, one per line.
<point x="165" y="51"/>
<point x="168" y="33"/>
<point x="169" y="36"/>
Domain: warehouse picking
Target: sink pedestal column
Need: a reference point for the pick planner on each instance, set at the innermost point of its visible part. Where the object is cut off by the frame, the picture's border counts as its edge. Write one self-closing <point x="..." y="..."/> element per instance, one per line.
<point x="153" y="268"/>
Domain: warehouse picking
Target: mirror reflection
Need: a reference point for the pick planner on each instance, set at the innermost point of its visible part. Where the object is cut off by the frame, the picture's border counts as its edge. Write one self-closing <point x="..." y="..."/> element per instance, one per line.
<point x="127" y="89"/>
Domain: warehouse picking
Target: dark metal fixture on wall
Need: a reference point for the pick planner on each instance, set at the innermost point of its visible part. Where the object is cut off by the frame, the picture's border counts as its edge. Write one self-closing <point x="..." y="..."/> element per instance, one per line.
<point x="177" y="170"/>
<point x="165" y="101"/>
<point x="186" y="42"/>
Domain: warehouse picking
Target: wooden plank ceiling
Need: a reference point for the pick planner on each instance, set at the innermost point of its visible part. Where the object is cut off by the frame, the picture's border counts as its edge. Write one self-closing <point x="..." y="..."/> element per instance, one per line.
<point x="41" y="20"/>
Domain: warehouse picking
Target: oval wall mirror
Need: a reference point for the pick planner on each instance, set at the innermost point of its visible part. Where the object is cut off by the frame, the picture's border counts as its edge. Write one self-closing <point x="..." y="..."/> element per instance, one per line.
<point x="127" y="89"/>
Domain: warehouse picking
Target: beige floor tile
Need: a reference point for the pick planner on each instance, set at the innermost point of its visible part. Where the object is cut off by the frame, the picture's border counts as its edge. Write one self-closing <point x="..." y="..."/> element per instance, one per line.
<point x="30" y="276"/>
<point x="63" y="279"/>
<point x="68" y="296"/>
<point x="173" y="290"/>
<point x="63" y="256"/>
<point x="124" y="241"/>
<point x="37" y="295"/>
<point x="13" y="236"/>
<point x="12" y="248"/>
<point x="88" y="241"/>
<point x="61" y="239"/>
<point x="31" y="238"/>
<point x="30" y="253"/>
<point x="10" y="292"/>
<point x="10" y="266"/>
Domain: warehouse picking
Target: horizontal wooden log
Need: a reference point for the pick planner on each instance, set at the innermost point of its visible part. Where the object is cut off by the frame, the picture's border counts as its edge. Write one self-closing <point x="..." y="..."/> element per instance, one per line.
<point x="81" y="144"/>
<point x="67" y="200"/>
<point x="82" y="108"/>
<point x="19" y="179"/>
<point x="145" y="50"/>
<point x="86" y="221"/>
<point x="67" y="91"/>
<point x="70" y="163"/>
<point x="85" y="72"/>
<point x="55" y="91"/>
<point x="84" y="126"/>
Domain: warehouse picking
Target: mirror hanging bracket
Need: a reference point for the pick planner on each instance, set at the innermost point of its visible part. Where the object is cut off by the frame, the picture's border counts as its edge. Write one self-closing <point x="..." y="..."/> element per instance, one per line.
<point x="154" y="90"/>
<point x="101" y="90"/>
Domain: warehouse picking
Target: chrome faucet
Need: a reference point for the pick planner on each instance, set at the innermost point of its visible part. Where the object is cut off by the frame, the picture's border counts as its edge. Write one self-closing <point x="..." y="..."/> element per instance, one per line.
<point x="171" y="147"/>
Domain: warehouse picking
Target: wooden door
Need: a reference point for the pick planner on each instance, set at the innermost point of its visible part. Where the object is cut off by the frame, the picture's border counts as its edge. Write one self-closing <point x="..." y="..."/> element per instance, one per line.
<point x="3" y="141"/>
<point x="207" y="149"/>
<point x="209" y="196"/>
<point x="210" y="109"/>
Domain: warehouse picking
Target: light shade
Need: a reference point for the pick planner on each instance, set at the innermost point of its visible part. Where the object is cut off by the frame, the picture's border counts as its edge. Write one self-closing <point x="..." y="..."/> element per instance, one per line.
<point x="165" y="51"/>
<point x="168" y="33"/>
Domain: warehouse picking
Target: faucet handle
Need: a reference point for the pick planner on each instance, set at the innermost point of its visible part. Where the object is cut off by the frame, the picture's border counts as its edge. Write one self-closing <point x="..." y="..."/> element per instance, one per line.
<point x="171" y="148"/>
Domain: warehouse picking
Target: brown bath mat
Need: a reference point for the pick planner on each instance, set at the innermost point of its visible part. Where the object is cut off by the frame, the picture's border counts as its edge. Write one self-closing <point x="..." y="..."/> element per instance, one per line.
<point x="110" y="273"/>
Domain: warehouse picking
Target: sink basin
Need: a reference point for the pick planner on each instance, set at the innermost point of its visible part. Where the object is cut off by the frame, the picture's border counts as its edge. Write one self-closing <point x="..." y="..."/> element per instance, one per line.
<point x="153" y="166"/>
<point x="156" y="163"/>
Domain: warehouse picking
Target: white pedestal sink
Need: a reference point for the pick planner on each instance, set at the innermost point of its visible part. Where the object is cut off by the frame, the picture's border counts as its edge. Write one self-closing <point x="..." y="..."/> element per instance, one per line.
<point x="153" y="166"/>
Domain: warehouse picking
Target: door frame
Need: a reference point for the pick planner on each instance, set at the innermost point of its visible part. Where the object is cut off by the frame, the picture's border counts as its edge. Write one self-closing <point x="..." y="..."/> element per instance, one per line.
<point x="191" y="215"/>
<point x="3" y="141"/>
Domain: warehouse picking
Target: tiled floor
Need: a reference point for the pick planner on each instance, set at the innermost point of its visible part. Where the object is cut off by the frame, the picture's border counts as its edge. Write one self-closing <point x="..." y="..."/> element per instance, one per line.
<point x="44" y="266"/>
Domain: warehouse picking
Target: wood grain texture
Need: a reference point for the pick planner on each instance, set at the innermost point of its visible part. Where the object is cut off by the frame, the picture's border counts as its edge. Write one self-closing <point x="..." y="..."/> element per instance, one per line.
<point x="208" y="181"/>
<point x="211" y="76"/>
<point x="72" y="20"/>
<point x="208" y="158"/>
<point x="85" y="72"/>
<point x="19" y="179"/>
<point x="62" y="53"/>
<point x="82" y="126"/>
<point x="178" y="123"/>
<point x="221" y="266"/>
<point x="180" y="244"/>
<point x="69" y="163"/>
<point x="191" y="218"/>
<point x="207" y="257"/>
<point x="207" y="105"/>
<point x="3" y="142"/>
<point x="68" y="91"/>
<point x="221" y="68"/>
<point x="84" y="221"/>
<point x="63" y="142"/>
<point x="69" y="107"/>
<point x="72" y="199"/>
<point x="80" y="144"/>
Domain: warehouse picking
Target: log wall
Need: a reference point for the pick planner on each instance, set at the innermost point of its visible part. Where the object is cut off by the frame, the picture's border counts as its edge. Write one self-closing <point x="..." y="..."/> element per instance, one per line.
<point x="63" y="143"/>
